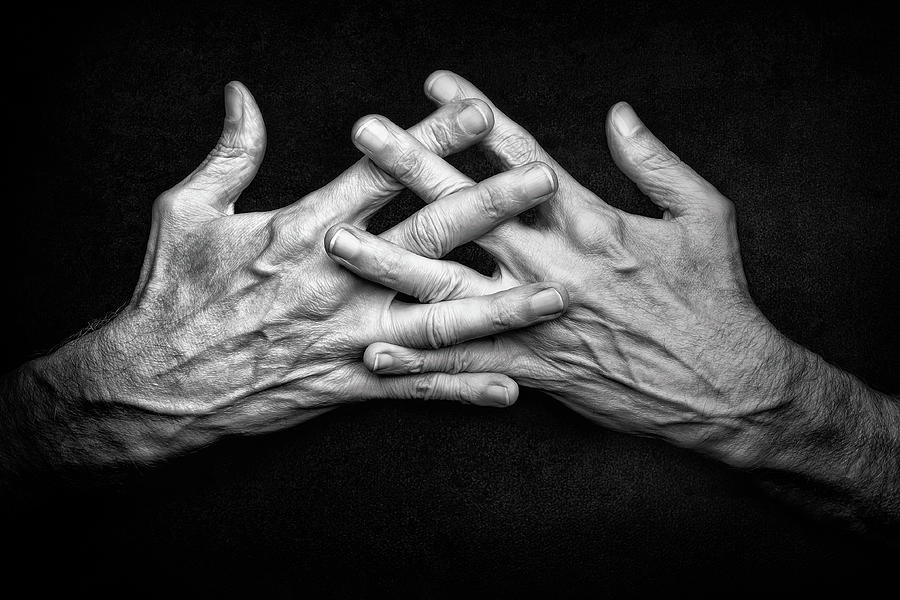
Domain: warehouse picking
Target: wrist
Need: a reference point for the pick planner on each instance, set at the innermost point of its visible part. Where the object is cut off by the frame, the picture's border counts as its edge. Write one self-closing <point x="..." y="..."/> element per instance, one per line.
<point x="763" y="399"/>
<point x="789" y="403"/>
<point x="44" y="401"/>
<point x="819" y="436"/>
<point x="76" y="373"/>
<point x="88" y="406"/>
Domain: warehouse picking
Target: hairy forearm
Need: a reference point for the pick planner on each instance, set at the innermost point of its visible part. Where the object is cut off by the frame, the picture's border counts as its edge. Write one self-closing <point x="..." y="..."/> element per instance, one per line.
<point x="59" y="413"/>
<point x="830" y="445"/>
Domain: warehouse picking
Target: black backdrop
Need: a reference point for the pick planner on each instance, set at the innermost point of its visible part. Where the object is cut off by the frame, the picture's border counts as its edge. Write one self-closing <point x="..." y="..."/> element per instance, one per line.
<point x="791" y="112"/>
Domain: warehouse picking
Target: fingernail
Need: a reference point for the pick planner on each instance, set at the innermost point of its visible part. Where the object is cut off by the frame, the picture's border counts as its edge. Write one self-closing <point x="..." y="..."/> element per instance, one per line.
<point x="344" y="245"/>
<point x="372" y="135"/>
<point x="497" y="394"/>
<point x="547" y="302"/>
<point x="538" y="181"/>
<point x="234" y="103"/>
<point x="443" y="88"/>
<point x="625" y="120"/>
<point x="382" y="362"/>
<point x="472" y="120"/>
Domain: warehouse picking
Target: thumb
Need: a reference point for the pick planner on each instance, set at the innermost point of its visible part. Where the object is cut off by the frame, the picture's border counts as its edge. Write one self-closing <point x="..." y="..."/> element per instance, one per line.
<point x="232" y="164"/>
<point x="657" y="171"/>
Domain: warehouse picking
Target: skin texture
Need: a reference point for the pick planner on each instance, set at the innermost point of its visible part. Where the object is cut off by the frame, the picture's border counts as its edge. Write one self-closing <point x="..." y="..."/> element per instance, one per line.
<point x="661" y="336"/>
<point x="240" y="324"/>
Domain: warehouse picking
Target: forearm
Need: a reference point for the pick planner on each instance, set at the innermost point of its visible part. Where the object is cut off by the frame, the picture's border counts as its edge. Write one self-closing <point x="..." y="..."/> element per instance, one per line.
<point x="60" y="413"/>
<point x="830" y="445"/>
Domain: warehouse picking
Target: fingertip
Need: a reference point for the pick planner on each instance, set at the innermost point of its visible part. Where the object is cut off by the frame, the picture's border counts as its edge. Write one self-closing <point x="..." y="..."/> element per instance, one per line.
<point x="373" y="356"/>
<point x="485" y="109"/>
<point x="442" y="87"/>
<point x="629" y="140"/>
<point x="234" y="102"/>
<point x="332" y="234"/>
<point x="429" y="81"/>
<point x="354" y="130"/>
<point x="434" y="75"/>
<point x="501" y="393"/>
<point x="329" y="236"/>
<point x="241" y="108"/>
<point x="370" y="133"/>
<point x="550" y="174"/>
<point x="369" y="356"/>
<point x="247" y="97"/>
<point x="536" y="182"/>
<point x="563" y="293"/>
<point x="512" y="389"/>
<point x="624" y="120"/>
<point x="549" y="302"/>
<point x="475" y="118"/>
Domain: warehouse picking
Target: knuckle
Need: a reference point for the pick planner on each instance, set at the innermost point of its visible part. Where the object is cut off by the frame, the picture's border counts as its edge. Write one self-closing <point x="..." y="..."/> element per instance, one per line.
<point x="375" y="181"/>
<point x="616" y="227"/>
<point x="387" y="266"/>
<point x="602" y="233"/>
<point x="438" y="329"/>
<point x="517" y="147"/>
<point x="282" y="221"/>
<point x="458" y="362"/>
<point x="426" y="387"/>
<point x="416" y="364"/>
<point x="603" y="228"/>
<point x="492" y="202"/>
<point x="502" y="314"/>
<point x="441" y="286"/>
<point x="725" y="209"/>
<point x="226" y="150"/>
<point x="285" y="236"/>
<point x="441" y="136"/>
<point x="654" y="160"/>
<point x="408" y="165"/>
<point x="428" y="234"/>
<point x="168" y="201"/>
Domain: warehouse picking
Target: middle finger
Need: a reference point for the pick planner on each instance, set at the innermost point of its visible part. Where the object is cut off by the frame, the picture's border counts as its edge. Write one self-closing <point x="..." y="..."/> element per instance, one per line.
<point x="430" y="176"/>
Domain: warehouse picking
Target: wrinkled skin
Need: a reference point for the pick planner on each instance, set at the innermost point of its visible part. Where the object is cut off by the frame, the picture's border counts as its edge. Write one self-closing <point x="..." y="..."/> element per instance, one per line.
<point x="241" y="323"/>
<point x="661" y="336"/>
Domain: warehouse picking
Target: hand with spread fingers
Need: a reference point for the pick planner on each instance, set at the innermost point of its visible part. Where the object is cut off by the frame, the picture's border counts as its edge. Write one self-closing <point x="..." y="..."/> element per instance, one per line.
<point x="660" y="337"/>
<point x="240" y="323"/>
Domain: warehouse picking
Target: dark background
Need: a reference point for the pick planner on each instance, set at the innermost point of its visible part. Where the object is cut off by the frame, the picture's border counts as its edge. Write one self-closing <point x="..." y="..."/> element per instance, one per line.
<point x="792" y="112"/>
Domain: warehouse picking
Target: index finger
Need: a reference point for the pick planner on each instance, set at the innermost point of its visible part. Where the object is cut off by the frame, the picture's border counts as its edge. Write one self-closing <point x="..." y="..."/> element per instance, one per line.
<point x="453" y="321"/>
<point x="361" y="190"/>
<point x="508" y="142"/>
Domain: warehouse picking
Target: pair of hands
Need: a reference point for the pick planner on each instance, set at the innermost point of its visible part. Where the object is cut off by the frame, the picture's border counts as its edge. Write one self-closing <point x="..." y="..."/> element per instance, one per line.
<point x="243" y="324"/>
